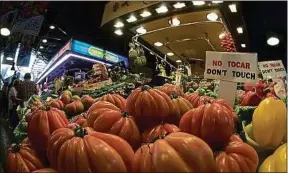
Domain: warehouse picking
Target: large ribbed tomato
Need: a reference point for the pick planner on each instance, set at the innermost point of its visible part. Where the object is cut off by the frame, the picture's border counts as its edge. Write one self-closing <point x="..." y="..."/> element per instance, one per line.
<point x="74" y="108"/>
<point x="170" y="88"/>
<point x="237" y="157"/>
<point x="21" y="158"/>
<point x="115" y="99"/>
<point x="66" y="97"/>
<point x="148" y="106"/>
<point x="56" y="104"/>
<point x="180" y="107"/>
<point x="212" y="122"/>
<point x="224" y="103"/>
<point x="110" y="119"/>
<point x="45" y="170"/>
<point x="81" y="120"/>
<point x="150" y="134"/>
<point x="87" y="101"/>
<point x="42" y="124"/>
<point x="177" y="152"/>
<point x="197" y="99"/>
<point x="84" y="150"/>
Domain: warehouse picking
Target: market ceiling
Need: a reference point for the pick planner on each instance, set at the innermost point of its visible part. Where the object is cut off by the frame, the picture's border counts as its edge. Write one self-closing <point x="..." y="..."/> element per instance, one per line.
<point x="82" y="21"/>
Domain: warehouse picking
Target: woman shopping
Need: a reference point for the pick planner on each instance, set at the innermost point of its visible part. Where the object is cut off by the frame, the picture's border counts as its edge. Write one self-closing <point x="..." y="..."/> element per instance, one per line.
<point x="13" y="103"/>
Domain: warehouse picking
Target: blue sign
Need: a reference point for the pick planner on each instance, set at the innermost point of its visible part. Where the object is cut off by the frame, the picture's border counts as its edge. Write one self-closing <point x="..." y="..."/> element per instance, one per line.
<point x="96" y="52"/>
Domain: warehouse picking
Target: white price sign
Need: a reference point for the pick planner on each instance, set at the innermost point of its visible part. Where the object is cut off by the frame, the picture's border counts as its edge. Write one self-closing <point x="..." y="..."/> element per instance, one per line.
<point x="230" y="68"/>
<point x="234" y="67"/>
<point x="272" y="69"/>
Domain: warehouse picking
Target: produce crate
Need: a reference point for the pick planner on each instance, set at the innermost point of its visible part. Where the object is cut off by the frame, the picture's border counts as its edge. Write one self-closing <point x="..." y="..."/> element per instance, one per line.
<point x="263" y="152"/>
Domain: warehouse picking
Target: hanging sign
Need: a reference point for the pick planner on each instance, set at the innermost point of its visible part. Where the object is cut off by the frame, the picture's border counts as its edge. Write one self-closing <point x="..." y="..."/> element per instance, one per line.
<point x="231" y="68"/>
<point x="272" y="69"/>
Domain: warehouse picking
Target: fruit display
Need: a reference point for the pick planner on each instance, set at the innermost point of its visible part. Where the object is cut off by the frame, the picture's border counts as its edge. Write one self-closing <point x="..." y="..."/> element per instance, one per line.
<point x="123" y="127"/>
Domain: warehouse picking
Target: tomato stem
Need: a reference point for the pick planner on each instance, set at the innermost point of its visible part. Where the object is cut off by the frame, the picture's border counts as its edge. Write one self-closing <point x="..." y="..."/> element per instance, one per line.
<point x="125" y="114"/>
<point x="146" y="88"/>
<point x="80" y="132"/>
<point x="15" y="148"/>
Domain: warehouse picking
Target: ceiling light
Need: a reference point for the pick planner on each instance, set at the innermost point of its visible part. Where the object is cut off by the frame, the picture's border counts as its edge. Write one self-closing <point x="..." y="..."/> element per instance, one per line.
<point x="41" y="47"/>
<point x="170" y="53"/>
<point x="233" y="8"/>
<point x="179" y="61"/>
<point x="131" y="19"/>
<point x="119" y="24"/>
<point x="179" y="5"/>
<point x="222" y="35"/>
<point x="158" y="44"/>
<point x="243" y="45"/>
<point x="240" y="30"/>
<point x="212" y="16"/>
<point x="217" y="2"/>
<point x="44" y="40"/>
<point x="145" y="14"/>
<point x="5" y="31"/>
<point x="174" y="22"/>
<point x="118" y="32"/>
<point x="198" y="3"/>
<point x="151" y="53"/>
<point x="162" y="9"/>
<point x="52" y="27"/>
<point x="9" y="58"/>
<point x="141" y="30"/>
<point x="273" y="41"/>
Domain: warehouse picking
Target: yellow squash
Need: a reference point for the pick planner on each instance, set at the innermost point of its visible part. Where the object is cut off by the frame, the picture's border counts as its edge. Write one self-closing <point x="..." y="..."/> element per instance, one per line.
<point x="276" y="162"/>
<point x="269" y="123"/>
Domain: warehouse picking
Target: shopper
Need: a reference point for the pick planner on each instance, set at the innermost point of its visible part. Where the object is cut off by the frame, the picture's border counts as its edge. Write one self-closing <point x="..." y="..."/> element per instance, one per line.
<point x="13" y="103"/>
<point x="28" y="88"/>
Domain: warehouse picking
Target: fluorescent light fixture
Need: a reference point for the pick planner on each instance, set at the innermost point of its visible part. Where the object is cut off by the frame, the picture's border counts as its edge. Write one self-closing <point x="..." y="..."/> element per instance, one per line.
<point x="52" y="27"/>
<point x="118" y="32"/>
<point x="141" y="30"/>
<point x="39" y="53"/>
<point x="5" y="31"/>
<point x="119" y="24"/>
<point x="243" y="45"/>
<point x="217" y="2"/>
<point x="198" y="3"/>
<point x="179" y="5"/>
<point x="145" y="14"/>
<point x="41" y="47"/>
<point x="233" y="8"/>
<point x="151" y="53"/>
<point x="273" y="41"/>
<point x="174" y="22"/>
<point x="158" y="44"/>
<point x="44" y="40"/>
<point x="212" y="16"/>
<point x="64" y="58"/>
<point x="162" y="9"/>
<point x="9" y="58"/>
<point x="240" y="30"/>
<point x="170" y="53"/>
<point x="179" y="61"/>
<point x="131" y="19"/>
<point x="222" y="35"/>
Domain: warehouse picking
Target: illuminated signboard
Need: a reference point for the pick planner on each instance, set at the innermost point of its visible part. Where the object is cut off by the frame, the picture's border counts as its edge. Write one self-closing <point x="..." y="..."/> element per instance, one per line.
<point x="96" y="52"/>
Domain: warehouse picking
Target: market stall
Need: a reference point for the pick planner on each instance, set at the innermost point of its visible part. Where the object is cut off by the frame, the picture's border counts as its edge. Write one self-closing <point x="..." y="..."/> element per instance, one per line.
<point x="206" y="109"/>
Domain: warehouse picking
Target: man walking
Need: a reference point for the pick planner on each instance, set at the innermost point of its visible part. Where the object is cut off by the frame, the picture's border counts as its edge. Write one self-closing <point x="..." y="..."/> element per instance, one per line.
<point x="28" y="88"/>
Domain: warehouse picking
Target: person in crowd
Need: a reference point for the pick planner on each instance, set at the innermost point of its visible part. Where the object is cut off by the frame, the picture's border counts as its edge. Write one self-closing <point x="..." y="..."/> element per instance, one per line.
<point x="4" y="101"/>
<point x="28" y="88"/>
<point x="13" y="102"/>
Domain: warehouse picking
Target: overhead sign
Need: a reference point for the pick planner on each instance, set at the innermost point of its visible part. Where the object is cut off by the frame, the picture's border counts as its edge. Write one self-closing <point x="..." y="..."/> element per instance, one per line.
<point x="233" y="67"/>
<point x="96" y="52"/>
<point x="272" y="69"/>
<point x="115" y="9"/>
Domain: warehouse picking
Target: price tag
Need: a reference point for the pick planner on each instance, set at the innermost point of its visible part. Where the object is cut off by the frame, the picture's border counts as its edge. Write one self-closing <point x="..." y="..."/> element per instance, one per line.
<point x="272" y="69"/>
<point x="230" y="68"/>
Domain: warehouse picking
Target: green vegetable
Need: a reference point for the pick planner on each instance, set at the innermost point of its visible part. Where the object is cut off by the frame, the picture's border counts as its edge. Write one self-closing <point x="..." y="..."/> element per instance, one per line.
<point x="201" y="91"/>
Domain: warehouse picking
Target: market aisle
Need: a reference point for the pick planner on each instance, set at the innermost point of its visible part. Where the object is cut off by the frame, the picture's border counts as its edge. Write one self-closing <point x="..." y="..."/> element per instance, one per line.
<point x="6" y="138"/>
